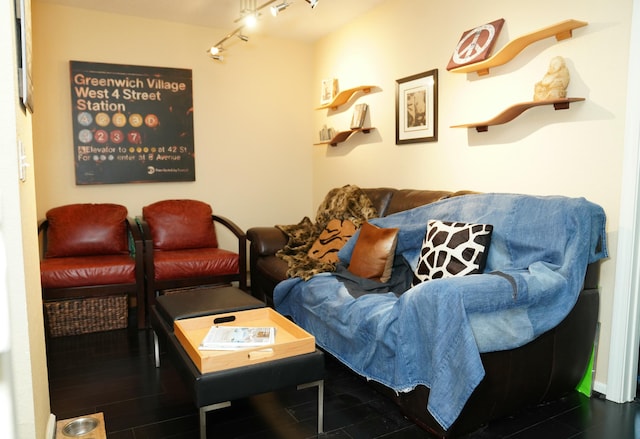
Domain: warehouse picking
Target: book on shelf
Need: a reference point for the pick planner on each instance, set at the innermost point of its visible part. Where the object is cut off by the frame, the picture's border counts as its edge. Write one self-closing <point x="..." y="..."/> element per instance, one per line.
<point x="359" y="114"/>
<point x="225" y="338"/>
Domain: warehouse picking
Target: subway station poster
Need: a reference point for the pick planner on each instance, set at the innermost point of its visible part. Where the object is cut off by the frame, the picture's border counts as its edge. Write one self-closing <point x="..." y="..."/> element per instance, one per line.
<point x="131" y="124"/>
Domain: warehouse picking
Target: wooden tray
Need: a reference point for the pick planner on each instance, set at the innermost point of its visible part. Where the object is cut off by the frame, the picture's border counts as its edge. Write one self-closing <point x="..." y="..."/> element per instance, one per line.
<point x="290" y="339"/>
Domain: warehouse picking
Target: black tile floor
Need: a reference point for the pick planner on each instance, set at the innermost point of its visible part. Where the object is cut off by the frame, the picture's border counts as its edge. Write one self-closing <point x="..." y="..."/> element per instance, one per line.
<point x="113" y="372"/>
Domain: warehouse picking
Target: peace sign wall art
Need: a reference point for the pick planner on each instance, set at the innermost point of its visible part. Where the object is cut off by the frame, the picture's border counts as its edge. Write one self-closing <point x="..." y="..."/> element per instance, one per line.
<point x="476" y="44"/>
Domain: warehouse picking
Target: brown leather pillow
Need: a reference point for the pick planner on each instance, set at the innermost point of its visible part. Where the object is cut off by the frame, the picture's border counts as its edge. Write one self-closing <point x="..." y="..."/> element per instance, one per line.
<point x="373" y="253"/>
<point x="336" y="233"/>
<point x="86" y="230"/>
<point x="180" y="224"/>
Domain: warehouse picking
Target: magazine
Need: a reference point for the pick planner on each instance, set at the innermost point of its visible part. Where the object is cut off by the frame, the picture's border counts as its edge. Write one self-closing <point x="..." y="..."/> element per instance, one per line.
<point x="359" y="114"/>
<point x="224" y="338"/>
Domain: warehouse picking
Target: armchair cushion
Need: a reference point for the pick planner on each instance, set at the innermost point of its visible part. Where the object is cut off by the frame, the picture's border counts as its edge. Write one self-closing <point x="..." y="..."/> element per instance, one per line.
<point x="193" y="263"/>
<point x="180" y="224"/>
<point x="87" y="271"/>
<point x="86" y="230"/>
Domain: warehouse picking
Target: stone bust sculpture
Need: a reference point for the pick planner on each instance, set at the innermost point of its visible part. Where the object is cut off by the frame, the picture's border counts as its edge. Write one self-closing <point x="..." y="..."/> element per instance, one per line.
<point x="554" y="83"/>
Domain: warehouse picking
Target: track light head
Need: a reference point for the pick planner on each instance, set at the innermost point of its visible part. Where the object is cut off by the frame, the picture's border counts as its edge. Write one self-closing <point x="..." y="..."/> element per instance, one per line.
<point x="243" y="37"/>
<point x="313" y="3"/>
<point x="217" y="57"/>
<point x="276" y="9"/>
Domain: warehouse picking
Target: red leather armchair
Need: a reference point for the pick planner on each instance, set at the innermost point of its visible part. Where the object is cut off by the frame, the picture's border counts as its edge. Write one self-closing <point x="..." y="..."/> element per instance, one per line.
<point x="92" y="250"/>
<point x="181" y="248"/>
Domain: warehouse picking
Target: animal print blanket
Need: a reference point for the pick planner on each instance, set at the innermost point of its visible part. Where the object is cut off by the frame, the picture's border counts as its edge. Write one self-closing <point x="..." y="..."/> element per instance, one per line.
<point x="345" y="203"/>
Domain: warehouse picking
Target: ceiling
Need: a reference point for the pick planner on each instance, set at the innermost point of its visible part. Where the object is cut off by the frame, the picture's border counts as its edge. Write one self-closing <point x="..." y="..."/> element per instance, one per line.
<point x="298" y="22"/>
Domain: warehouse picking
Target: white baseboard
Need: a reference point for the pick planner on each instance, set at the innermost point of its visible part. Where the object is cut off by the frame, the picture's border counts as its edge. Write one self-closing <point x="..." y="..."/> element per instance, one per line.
<point x="600" y="387"/>
<point x="51" y="427"/>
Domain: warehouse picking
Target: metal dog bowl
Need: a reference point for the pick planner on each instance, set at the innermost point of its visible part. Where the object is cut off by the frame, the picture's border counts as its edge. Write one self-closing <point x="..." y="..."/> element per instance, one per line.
<point x="80" y="426"/>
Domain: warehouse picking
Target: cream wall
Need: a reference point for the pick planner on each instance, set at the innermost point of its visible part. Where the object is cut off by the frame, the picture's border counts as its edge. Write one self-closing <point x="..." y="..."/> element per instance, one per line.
<point x="251" y="137"/>
<point x="23" y="367"/>
<point x="576" y="152"/>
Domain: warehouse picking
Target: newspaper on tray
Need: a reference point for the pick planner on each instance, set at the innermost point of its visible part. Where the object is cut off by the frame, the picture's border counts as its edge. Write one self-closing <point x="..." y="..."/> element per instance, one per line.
<point x="225" y="338"/>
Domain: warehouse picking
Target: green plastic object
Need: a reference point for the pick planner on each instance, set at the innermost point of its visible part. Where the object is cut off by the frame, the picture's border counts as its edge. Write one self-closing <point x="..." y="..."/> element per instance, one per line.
<point x="584" y="386"/>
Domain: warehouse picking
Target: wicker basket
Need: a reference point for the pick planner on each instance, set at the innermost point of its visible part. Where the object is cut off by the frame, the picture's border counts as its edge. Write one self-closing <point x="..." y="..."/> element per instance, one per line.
<point x="81" y="316"/>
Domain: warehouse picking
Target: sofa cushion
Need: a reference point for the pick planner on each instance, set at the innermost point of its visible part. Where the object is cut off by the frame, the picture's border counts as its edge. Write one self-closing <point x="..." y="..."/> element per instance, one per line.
<point x="180" y="224"/>
<point x="452" y="249"/>
<point x="87" y="230"/>
<point x="405" y="199"/>
<point x="332" y="238"/>
<point x="373" y="253"/>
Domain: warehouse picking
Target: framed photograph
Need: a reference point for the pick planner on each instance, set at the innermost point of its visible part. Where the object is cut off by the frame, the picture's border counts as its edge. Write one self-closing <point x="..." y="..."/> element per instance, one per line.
<point x="417" y="108"/>
<point x="329" y="90"/>
<point x="359" y="114"/>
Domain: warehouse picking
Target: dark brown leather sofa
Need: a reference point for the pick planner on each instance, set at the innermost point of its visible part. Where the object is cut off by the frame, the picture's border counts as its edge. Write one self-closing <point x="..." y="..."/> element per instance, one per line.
<point x="543" y="370"/>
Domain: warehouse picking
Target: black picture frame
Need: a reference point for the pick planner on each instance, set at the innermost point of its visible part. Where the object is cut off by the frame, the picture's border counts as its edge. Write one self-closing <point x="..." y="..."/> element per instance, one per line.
<point x="23" y="25"/>
<point x="417" y="108"/>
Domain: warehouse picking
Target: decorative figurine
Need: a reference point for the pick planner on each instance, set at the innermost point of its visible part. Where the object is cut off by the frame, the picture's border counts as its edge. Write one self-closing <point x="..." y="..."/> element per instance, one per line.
<point x="554" y="83"/>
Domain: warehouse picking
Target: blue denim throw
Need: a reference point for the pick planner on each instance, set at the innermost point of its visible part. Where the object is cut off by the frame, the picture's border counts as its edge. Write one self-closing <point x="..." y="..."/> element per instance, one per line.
<point x="433" y="334"/>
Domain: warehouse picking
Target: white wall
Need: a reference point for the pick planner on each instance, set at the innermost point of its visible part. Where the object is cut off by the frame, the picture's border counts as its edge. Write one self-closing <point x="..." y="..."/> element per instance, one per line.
<point x="575" y="152"/>
<point x="22" y="361"/>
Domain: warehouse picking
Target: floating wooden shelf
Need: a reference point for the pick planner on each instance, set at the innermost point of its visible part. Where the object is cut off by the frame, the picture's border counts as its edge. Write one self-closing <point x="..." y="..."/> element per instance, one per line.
<point x="561" y="31"/>
<point x="516" y="110"/>
<point x="344" y="96"/>
<point x="344" y="135"/>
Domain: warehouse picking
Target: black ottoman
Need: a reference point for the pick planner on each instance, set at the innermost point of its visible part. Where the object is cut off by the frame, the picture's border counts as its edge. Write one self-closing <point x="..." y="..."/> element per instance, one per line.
<point x="198" y="303"/>
<point x="215" y="390"/>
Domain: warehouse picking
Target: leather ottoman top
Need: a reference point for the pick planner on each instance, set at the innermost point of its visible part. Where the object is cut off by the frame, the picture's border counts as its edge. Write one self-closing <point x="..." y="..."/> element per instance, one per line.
<point x="204" y="302"/>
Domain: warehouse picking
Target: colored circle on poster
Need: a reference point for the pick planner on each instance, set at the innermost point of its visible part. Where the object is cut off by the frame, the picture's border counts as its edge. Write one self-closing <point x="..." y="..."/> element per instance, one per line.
<point x="135" y="120"/>
<point x="85" y="118"/>
<point x="101" y="136"/>
<point x="138" y="150"/>
<point x="119" y="120"/>
<point x="151" y="120"/>
<point x="116" y="136"/>
<point x="102" y="119"/>
<point x="134" y="137"/>
<point x="132" y="149"/>
<point x="85" y="136"/>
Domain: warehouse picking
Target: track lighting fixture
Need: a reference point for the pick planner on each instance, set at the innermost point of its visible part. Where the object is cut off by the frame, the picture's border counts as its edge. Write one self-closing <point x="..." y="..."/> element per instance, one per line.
<point x="249" y="14"/>
<point x="276" y="9"/>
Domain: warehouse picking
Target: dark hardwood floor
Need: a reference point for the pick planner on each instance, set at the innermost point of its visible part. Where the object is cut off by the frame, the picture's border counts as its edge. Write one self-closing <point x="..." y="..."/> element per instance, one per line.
<point x="113" y="372"/>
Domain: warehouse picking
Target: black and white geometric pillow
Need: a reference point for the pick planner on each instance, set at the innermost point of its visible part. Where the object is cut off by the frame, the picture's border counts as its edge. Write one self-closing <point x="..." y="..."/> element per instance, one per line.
<point x="452" y="249"/>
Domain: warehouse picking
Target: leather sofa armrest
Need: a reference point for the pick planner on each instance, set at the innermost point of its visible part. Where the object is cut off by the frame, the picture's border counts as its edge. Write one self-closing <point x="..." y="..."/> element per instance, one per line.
<point x="266" y="241"/>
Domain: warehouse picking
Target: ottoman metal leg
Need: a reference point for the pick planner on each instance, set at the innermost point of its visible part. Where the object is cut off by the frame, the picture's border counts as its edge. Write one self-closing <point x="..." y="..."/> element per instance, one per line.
<point x="207" y="408"/>
<point x="203" y="416"/>
<point x="320" y="384"/>
<point x="156" y="349"/>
